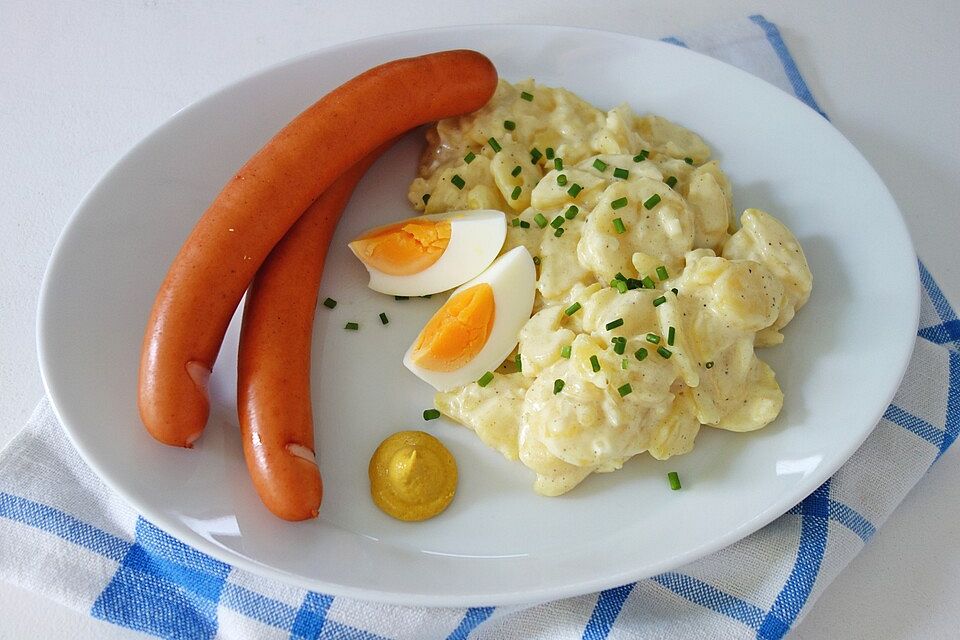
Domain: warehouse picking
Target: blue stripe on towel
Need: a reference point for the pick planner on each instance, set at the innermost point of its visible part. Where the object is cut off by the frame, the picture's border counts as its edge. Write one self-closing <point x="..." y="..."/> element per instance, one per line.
<point x="942" y="333"/>
<point x="952" y="421"/>
<point x="914" y="425"/>
<point x="800" y="87"/>
<point x="852" y="520"/>
<point x="675" y="40"/>
<point x="706" y="595"/>
<point x="937" y="299"/>
<point x="471" y="619"/>
<point x="163" y="587"/>
<point x="311" y="616"/>
<point x="605" y="612"/>
<point x="62" y="525"/>
<point x="815" y="512"/>
<point x="257" y="606"/>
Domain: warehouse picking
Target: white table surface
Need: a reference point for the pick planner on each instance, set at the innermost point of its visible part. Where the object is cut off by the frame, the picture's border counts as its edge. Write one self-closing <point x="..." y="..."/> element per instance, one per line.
<point x="80" y="83"/>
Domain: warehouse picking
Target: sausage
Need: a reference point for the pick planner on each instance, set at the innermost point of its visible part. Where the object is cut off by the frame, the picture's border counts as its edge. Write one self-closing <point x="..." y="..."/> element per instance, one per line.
<point x="273" y="369"/>
<point x="261" y="202"/>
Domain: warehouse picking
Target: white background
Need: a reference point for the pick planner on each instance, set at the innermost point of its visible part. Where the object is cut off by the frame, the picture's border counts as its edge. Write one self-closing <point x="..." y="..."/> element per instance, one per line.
<point x="80" y="83"/>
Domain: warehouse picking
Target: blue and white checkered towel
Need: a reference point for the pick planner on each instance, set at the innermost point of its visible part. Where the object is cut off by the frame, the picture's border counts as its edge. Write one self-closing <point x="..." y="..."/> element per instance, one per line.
<point x="64" y="534"/>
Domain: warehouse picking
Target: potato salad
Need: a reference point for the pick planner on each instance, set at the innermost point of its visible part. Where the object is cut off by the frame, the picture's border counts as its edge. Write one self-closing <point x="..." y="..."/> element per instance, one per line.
<point x="651" y="298"/>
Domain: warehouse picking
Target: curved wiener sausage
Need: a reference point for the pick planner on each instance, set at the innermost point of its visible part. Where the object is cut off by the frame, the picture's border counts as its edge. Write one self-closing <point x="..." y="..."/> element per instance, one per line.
<point x="273" y="369"/>
<point x="262" y="201"/>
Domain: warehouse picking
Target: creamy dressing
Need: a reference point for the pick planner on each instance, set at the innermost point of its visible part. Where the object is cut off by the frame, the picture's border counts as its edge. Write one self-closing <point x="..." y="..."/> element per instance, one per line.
<point x="600" y="384"/>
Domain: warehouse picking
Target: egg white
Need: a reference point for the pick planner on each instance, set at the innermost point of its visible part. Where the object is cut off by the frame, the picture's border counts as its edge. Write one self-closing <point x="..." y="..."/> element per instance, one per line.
<point x="513" y="279"/>
<point x="476" y="238"/>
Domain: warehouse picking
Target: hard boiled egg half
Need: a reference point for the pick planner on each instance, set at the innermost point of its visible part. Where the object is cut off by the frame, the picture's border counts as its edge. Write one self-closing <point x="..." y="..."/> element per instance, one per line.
<point x="478" y="326"/>
<point x="433" y="253"/>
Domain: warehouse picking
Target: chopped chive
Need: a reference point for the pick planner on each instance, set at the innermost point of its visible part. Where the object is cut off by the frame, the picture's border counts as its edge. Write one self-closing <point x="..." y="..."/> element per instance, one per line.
<point x="571" y="212"/>
<point x="541" y="220"/>
<point x="659" y="301"/>
<point x="599" y="165"/>
<point x="652" y="201"/>
<point x="671" y="181"/>
<point x="574" y="189"/>
<point x="613" y="324"/>
<point x="640" y="157"/>
<point x="674" y="481"/>
<point x="619" y="347"/>
<point x="621" y="173"/>
<point x="536" y="259"/>
<point x="625" y="389"/>
<point x="688" y="160"/>
<point x="664" y="352"/>
<point x="619" y="285"/>
<point x="619" y="203"/>
<point x="515" y="222"/>
<point x="633" y="283"/>
<point x="618" y="225"/>
<point x="594" y="363"/>
<point x="624" y="363"/>
<point x="557" y="222"/>
<point x="526" y="96"/>
<point x="485" y="379"/>
<point x="676" y="291"/>
<point x="620" y="276"/>
<point x="516" y="192"/>
<point x="562" y="180"/>
<point x="559" y="232"/>
<point x="384" y="319"/>
<point x="494" y="145"/>
<point x="557" y="386"/>
<point x="565" y="351"/>
<point x="648" y="283"/>
<point x="640" y="354"/>
<point x="470" y="157"/>
<point x="425" y="198"/>
<point x="535" y="155"/>
<point x="572" y="309"/>
<point x="516" y="171"/>
<point x="352" y="326"/>
<point x="549" y="153"/>
<point x="709" y="365"/>
<point x="458" y="182"/>
<point x="509" y="125"/>
<point x="518" y="362"/>
<point x="431" y="414"/>
<point x="653" y="338"/>
<point x="524" y="224"/>
<point x="662" y="272"/>
<point x="671" y="336"/>
<point x="329" y="303"/>
<point x="401" y="297"/>
<point x="558" y="164"/>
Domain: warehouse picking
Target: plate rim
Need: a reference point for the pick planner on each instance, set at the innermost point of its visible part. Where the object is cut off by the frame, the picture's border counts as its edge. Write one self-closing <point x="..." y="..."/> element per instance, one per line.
<point x="561" y="590"/>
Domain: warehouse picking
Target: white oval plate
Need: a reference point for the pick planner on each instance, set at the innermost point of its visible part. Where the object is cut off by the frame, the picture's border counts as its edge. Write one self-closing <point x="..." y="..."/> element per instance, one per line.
<point x="498" y="543"/>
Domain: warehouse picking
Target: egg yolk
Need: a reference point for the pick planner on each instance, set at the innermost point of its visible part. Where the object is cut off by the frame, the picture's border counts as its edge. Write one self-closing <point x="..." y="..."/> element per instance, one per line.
<point x="403" y="248"/>
<point x="457" y="331"/>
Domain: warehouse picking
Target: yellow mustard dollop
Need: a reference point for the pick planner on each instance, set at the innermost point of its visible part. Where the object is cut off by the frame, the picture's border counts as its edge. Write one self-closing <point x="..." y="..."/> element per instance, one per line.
<point x="412" y="476"/>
